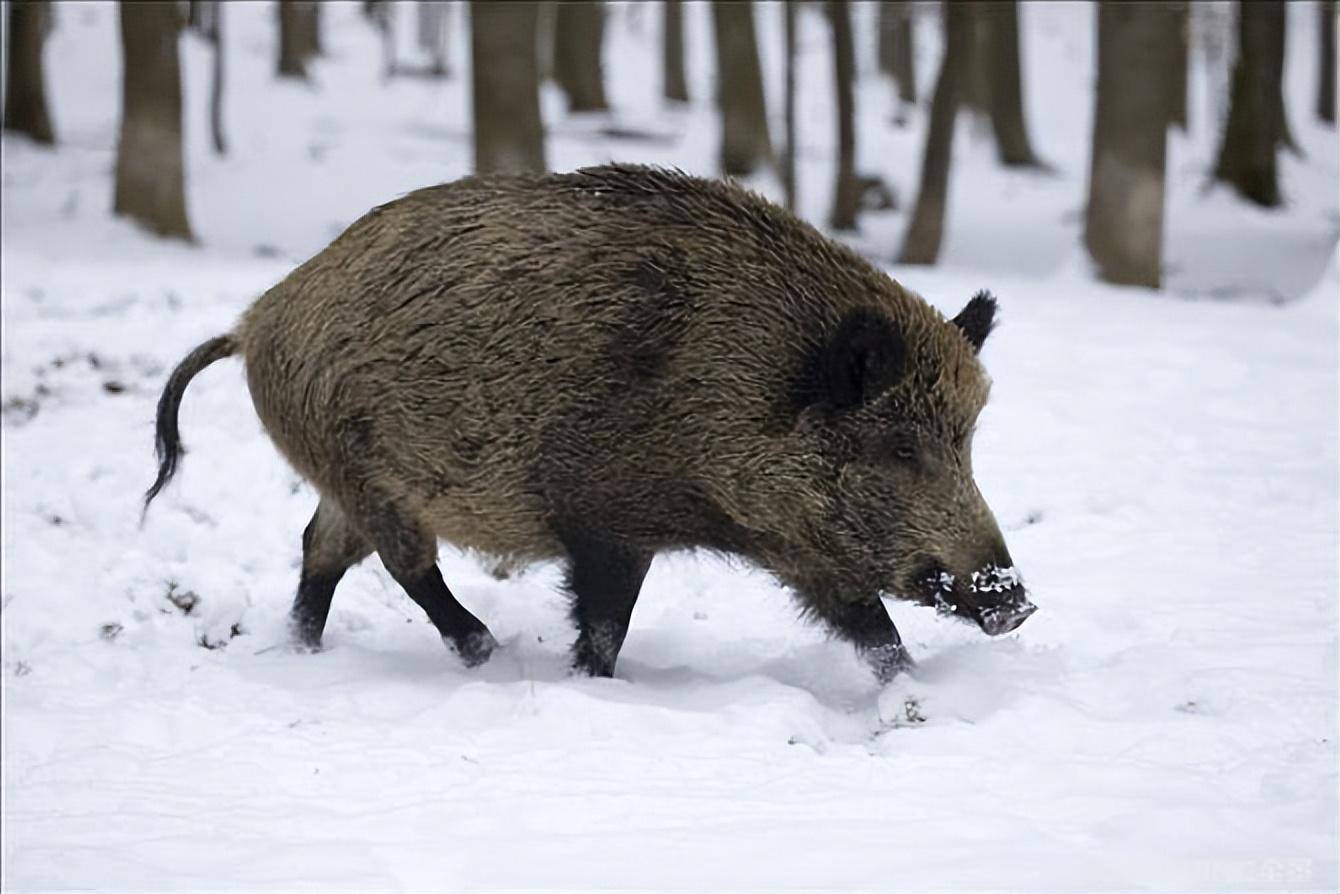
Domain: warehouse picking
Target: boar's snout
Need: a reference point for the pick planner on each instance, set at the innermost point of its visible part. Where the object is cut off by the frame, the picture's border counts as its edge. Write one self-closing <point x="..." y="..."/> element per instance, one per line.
<point x="993" y="597"/>
<point x="996" y="599"/>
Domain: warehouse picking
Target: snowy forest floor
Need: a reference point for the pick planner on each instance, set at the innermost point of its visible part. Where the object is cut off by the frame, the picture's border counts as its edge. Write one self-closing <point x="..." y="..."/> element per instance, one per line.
<point x="1164" y="466"/>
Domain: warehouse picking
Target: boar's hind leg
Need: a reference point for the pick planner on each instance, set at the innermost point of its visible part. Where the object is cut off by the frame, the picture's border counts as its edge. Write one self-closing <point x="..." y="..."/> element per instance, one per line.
<point x="868" y="626"/>
<point x="604" y="578"/>
<point x="409" y="552"/>
<point x="329" y="546"/>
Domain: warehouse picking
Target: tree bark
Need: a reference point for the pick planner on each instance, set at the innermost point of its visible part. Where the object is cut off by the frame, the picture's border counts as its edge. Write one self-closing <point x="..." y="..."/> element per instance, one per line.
<point x="509" y="136"/>
<point x="1326" y="76"/>
<point x="921" y="245"/>
<point x="314" y="47"/>
<point x="672" y="52"/>
<point x="846" y="191"/>
<point x="789" y="157"/>
<point x="1180" y="61"/>
<point x="150" y="179"/>
<point x="201" y="15"/>
<point x="579" y="31"/>
<point x="745" y="145"/>
<point x="1123" y="228"/>
<point x="432" y="36"/>
<point x="216" y="84"/>
<point x="1000" y="22"/>
<point x="298" y="39"/>
<point x="1256" y="124"/>
<point x="904" y="56"/>
<point x="975" y="79"/>
<point x="25" y="90"/>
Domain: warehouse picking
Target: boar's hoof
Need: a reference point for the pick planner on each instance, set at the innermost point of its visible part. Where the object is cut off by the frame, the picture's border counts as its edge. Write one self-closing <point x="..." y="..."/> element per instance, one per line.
<point x="889" y="661"/>
<point x="473" y="648"/>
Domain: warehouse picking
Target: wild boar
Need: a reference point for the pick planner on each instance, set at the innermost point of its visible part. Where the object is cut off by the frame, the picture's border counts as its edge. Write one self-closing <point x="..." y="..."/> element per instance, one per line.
<point x="598" y="366"/>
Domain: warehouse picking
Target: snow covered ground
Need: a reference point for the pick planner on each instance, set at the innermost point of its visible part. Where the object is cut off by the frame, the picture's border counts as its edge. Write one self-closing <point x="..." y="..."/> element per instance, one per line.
<point x="1164" y="464"/>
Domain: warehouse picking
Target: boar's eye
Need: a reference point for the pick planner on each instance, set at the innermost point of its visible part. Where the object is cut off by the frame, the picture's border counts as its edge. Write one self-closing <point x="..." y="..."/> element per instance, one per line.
<point x="903" y="449"/>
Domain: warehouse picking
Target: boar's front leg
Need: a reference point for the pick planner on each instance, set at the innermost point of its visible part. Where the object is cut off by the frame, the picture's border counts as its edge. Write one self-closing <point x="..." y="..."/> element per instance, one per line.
<point x="867" y="626"/>
<point x="605" y="576"/>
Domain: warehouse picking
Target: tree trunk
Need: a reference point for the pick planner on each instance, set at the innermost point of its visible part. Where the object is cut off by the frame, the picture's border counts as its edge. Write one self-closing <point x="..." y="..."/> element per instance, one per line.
<point x="1256" y="124"/>
<point x="1180" y="61"/>
<point x="432" y="36"/>
<point x="789" y="158"/>
<point x="921" y="245"/>
<point x="1000" y="22"/>
<point x="216" y="84"/>
<point x="314" y="30"/>
<point x="150" y="185"/>
<point x="297" y="22"/>
<point x="579" y="31"/>
<point x="904" y="56"/>
<point x="896" y="53"/>
<point x="1123" y="227"/>
<point x="201" y="16"/>
<point x="975" y="79"/>
<point x="25" y="91"/>
<point x="672" y="49"/>
<point x="1326" y="77"/>
<point x="846" y="191"/>
<point x="509" y="136"/>
<point x="744" y="116"/>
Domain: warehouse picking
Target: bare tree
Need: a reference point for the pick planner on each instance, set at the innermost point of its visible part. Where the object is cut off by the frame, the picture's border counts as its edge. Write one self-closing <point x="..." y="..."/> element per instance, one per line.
<point x="744" y="118"/>
<point x="1179" y="11"/>
<point x="1256" y="124"/>
<point x="508" y="133"/>
<point x="150" y="180"/>
<point x="381" y="13"/>
<point x="897" y="51"/>
<point x="921" y="245"/>
<point x="314" y="46"/>
<point x="1123" y="225"/>
<point x="1003" y="82"/>
<point x="672" y="52"/>
<point x="432" y="35"/>
<point x="847" y="189"/>
<point x="298" y="36"/>
<point x="789" y="158"/>
<point x="1326" y="74"/>
<point x="216" y="83"/>
<point x="579" y="32"/>
<point x="199" y="13"/>
<point x="975" y="80"/>
<point x="25" y="90"/>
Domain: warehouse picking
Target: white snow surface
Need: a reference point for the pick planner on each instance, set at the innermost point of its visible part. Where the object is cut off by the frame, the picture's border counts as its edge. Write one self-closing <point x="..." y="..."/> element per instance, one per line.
<point x="1164" y="466"/>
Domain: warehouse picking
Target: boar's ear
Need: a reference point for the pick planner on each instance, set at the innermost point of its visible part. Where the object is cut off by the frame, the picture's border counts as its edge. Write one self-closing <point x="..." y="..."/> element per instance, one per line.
<point x="977" y="318"/>
<point x="864" y="357"/>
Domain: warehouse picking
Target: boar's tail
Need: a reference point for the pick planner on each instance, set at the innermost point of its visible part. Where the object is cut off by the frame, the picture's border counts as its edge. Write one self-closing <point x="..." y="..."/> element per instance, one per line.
<point x="167" y="440"/>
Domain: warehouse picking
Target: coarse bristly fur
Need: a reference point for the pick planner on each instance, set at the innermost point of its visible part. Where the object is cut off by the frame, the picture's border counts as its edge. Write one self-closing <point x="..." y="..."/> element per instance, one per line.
<point x="615" y="362"/>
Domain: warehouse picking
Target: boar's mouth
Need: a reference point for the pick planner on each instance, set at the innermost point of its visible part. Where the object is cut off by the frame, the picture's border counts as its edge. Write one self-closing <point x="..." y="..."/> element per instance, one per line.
<point x="993" y="598"/>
